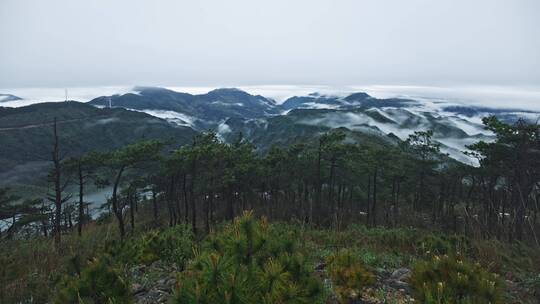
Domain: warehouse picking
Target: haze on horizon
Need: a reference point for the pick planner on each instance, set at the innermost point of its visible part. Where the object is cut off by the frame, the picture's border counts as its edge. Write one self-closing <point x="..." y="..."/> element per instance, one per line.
<point x="62" y="43"/>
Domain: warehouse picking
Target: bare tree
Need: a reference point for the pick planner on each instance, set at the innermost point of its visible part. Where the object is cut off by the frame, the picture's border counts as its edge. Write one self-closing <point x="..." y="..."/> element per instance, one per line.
<point x="59" y="187"/>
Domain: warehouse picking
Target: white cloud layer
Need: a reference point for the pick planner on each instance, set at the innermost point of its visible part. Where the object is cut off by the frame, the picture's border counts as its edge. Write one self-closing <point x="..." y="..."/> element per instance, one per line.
<point x="527" y="98"/>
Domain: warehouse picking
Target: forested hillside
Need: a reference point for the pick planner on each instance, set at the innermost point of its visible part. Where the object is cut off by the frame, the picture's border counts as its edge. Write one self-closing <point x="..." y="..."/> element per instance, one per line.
<point x="26" y="135"/>
<point x="265" y="122"/>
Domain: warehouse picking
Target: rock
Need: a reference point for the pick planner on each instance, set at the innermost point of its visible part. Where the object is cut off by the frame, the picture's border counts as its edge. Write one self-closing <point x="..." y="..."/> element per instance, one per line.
<point x="137" y="288"/>
<point x="401" y="274"/>
<point x="400" y="285"/>
<point x="398" y="280"/>
<point x="165" y="284"/>
<point x="158" y="295"/>
<point x="152" y="283"/>
<point x="320" y="266"/>
<point x="170" y="282"/>
<point x="153" y="296"/>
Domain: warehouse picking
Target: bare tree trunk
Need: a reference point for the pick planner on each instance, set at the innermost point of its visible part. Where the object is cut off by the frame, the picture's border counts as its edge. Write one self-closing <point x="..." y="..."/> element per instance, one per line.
<point x="207" y="214"/>
<point x="170" y="196"/>
<point x="154" y="204"/>
<point x="230" y="207"/>
<point x="57" y="187"/>
<point x="186" y="205"/>
<point x="171" y="211"/>
<point x="178" y="207"/>
<point x="43" y="222"/>
<point x="116" y="209"/>
<point x="318" y="184"/>
<point x="81" y="195"/>
<point x="394" y="191"/>
<point x="192" y="197"/>
<point x="396" y="205"/>
<point x="374" y="205"/>
<point x="131" y="201"/>
<point x="211" y="206"/>
<point x="70" y="222"/>
<point x="368" y="208"/>
<point x="331" y="190"/>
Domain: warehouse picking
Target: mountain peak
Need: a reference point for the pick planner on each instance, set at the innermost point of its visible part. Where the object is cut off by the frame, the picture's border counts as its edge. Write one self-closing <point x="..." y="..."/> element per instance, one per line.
<point x="8" y="97"/>
<point x="357" y="96"/>
<point x="228" y="91"/>
<point x="142" y="89"/>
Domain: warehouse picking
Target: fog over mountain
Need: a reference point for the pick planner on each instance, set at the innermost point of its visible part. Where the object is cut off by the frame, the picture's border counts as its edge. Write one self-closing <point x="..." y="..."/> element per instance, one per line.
<point x="269" y="115"/>
<point x="524" y="97"/>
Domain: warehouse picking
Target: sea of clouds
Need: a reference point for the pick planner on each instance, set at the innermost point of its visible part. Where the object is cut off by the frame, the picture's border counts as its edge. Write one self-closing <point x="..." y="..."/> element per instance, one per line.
<point x="525" y="97"/>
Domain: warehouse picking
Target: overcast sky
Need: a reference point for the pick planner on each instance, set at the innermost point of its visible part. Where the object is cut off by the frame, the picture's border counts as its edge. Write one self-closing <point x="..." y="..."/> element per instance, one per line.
<point x="249" y="42"/>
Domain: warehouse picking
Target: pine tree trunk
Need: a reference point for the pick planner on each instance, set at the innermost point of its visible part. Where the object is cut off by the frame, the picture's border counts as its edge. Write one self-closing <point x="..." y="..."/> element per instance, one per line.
<point x="131" y="210"/>
<point x="192" y="197"/>
<point x="154" y="204"/>
<point x="116" y="209"/>
<point x="318" y="184"/>
<point x="57" y="188"/>
<point x="81" y="201"/>
<point x="186" y="205"/>
<point x="368" y="208"/>
<point x="374" y="206"/>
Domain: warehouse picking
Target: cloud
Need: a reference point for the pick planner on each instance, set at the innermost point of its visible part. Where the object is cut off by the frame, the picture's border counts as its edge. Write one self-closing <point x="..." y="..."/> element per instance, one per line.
<point x="431" y="97"/>
<point x="102" y="121"/>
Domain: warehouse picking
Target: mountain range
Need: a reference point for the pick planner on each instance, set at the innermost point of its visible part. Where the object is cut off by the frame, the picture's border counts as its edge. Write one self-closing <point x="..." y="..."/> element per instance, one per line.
<point x="265" y="122"/>
<point x="8" y="97"/>
<point x="108" y="122"/>
<point x="200" y="111"/>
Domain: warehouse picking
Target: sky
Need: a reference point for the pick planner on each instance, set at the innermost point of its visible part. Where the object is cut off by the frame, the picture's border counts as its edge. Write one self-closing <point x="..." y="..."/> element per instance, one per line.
<point x="66" y="43"/>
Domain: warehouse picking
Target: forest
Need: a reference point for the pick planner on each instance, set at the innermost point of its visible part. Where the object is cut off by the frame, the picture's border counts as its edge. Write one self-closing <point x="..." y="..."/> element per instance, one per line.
<point x="293" y="224"/>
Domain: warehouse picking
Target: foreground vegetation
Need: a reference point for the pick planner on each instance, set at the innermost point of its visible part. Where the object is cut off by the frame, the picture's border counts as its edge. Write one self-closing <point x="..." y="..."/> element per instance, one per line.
<point x="253" y="261"/>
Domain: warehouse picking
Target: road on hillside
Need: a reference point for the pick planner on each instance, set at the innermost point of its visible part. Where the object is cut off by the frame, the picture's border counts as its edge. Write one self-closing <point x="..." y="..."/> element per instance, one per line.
<point x="47" y="124"/>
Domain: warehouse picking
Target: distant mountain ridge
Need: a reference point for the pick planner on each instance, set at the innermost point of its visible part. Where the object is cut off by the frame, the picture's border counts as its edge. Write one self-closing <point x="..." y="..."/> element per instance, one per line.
<point x="205" y="110"/>
<point x="232" y="111"/>
<point x="175" y="117"/>
<point x="8" y="97"/>
<point x="148" y="112"/>
<point x="318" y="101"/>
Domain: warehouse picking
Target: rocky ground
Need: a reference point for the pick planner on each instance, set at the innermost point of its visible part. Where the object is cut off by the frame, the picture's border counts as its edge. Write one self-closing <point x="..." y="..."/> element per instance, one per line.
<point x="389" y="287"/>
<point x="155" y="284"/>
<point x="152" y="284"/>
